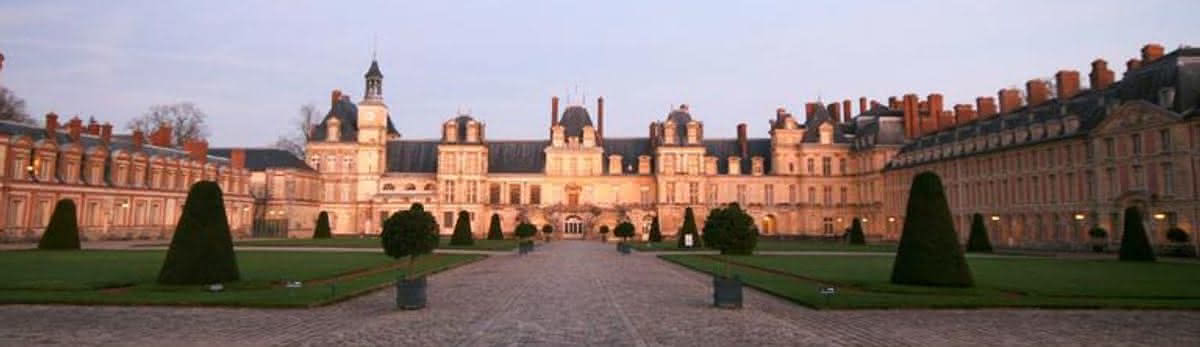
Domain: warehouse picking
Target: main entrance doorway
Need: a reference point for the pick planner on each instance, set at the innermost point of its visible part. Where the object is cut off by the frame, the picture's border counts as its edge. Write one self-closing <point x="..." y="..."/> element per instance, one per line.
<point x="573" y="227"/>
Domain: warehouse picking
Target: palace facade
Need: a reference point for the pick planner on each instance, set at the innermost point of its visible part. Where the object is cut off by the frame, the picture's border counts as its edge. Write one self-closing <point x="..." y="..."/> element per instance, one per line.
<point x="1042" y="165"/>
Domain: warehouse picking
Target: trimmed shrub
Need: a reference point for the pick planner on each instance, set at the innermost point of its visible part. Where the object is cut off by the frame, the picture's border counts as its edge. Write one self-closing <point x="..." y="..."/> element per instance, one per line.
<point x="604" y="233"/>
<point x="62" y="232"/>
<point x="655" y="230"/>
<point x="689" y="227"/>
<point x="410" y="233"/>
<point x="730" y="230"/>
<point x="978" y="240"/>
<point x="525" y="230"/>
<point x="462" y="230"/>
<point x="547" y="230"/>
<point x="1177" y="235"/>
<point x="1135" y="246"/>
<point x="1098" y="233"/>
<point x="624" y="231"/>
<point x="322" y="230"/>
<point x="856" y="232"/>
<point x="494" y="232"/>
<point x="201" y="251"/>
<point x="929" y="253"/>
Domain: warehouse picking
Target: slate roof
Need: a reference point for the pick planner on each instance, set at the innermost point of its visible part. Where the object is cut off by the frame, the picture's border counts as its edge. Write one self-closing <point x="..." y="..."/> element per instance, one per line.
<point x="574" y="118"/>
<point x="517" y="156"/>
<point x="629" y="149"/>
<point x="346" y="112"/>
<point x="725" y="148"/>
<point x="260" y="159"/>
<point x="412" y="156"/>
<point x="374" y="70"/>
<point x="812" y="130"/>
<point x="681" y="119"/>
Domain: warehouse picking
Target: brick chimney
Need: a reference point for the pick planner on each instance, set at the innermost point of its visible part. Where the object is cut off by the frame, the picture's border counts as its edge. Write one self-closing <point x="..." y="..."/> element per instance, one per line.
<point x="237" y="158"/>
<point x="846" y="111"/>
<point x="93" y="128"/>
<point x="809" y="109"/>
<point x="197" y="150"/>
<point x="106" y="133"/>
<point x="1010" y="99"/>
<point x="161" y="137"/>
<point x="334" y="97"/>
<point x="1036" y="92"/>
<point x="1101" y="77"/>
<point x="986" y="106"/>
<point x="51" y="124"/>
<point x="894" y="103"/>
<point x="1067" y="82"/>
<point x="910" y="115"/>
<point x="600" y="118"/>
<point x="1151" y="52"/>
<point x="963" y="113"/>
<point x="138" y="140"/>
<point x="75" y="129"/>
<point x="554" y="111"/>
<point x="862" y="105"/>
<point x="743" y="146"/>
<point x="834" y="112"/>
<point x="1132" y="64"/>
<point x="935" y="111"/>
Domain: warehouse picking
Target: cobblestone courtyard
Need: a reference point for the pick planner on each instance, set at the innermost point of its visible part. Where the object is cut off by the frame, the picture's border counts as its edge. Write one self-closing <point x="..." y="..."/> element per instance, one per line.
<point x="581" y="293"/>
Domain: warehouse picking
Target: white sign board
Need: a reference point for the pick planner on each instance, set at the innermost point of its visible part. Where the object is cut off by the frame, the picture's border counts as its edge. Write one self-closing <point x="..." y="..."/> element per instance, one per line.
<point x="687" y="241"/>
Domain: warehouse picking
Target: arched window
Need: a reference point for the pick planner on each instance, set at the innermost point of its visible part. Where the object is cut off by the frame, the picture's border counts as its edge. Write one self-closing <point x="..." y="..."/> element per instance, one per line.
<point x="429" y="187"/>
<point x="410" y="187"/>
<point x="389" y="187"/>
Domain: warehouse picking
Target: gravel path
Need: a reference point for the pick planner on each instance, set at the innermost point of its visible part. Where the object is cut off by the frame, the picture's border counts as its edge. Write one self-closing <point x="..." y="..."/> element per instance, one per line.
<point x="583" y="293"/>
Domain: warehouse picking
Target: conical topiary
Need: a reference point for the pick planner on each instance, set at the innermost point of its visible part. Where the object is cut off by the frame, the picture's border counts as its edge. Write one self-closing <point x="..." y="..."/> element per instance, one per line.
<point x="63" y="232"/>
<point x="929" y="252"/>
<point x="462" y="230"/>
<point x="689" y="227"/>
<point x="494" y="232"/>
<point x="655" y="230"/>
<point x="201" y="251"/>
<point x="322" y="230"/>
<point x="856" y="233"/>
<point x="978" y="240"/>
<point x="1134" y="244"/>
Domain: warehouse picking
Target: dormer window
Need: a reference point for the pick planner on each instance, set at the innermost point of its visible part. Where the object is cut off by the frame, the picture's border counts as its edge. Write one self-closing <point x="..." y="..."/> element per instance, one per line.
<point x="1166" y="97"/>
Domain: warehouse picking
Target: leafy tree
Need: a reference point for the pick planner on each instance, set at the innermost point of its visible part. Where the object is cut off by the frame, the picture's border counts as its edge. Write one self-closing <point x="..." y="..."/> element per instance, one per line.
<point x="689" y="228"/>
<point x="201" y="251"/>
<point x="730" y="230"/>
<point x="525" y="230"/>
<point x="929" y="252"/>
<point x="322" y="230"/>
<point x="410" y="233"/>
<point x="978" y="241"/>
<point x="547" y="229"/>
<point x="655" y="230"/>
<point x="462" y="230"/>
<point x="856" y="232"/>
<point x="624" y="231"/>
<point x="63" y="232"/>
<point x="187" y="121"/>
<point x="1135" y="246"/>
<point x="494" y="232"/>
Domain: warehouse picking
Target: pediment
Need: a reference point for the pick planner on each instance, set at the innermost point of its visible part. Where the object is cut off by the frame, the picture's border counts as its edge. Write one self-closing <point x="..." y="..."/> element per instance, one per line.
<point x="1135" y="114"/>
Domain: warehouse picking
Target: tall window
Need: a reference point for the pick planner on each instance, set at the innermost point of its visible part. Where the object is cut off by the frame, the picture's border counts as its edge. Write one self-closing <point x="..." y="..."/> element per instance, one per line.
<point x="842" y="166"/>
<point x="1136" y="143"/>
<point x="1110" y="148"/>
<point x="1139" y="178"/>
<point x="535" y="194"/>
<point x="712" y="193"/>
<point x="1091" y="185"/>
<point x="741" y="194"/>
<point x="494" y="194"/>
<point x="842" y="198"/>
<point x="812" y="195"/>
<point x="1168" y="181"/>
<point x="448" y="192"/>
<point x="693" y="192"/>
<point x="811" y="169"/>
<point x="1164" y="136"/>
<point x="514" y="194"/>
<point x="448" y="219"/>
<point x="1110" y="182"/>
<point x="646" y="196"/>
<point x="793" y="194"/>
<point x="827" y="195"/>
<point x="472" y="192"/>
<point x="826" y="166"/>
<point x="670" y="192"/>
<point x="769" y="194"/>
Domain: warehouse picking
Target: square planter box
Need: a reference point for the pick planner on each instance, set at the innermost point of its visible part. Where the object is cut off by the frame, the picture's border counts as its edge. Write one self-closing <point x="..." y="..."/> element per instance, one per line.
<point x="727" y="292"/>
<point x="410" y="294"/>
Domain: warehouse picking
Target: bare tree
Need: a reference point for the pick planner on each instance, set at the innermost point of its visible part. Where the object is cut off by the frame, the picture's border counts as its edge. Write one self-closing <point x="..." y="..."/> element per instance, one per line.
<point x="185" y="119"/>
<point x="301" y="132"/>
<point x="12" y="108"/>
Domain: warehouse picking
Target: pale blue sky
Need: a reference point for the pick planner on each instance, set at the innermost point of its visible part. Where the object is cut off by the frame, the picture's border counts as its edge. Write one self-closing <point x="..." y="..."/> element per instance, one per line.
<point x="250" y="65"/>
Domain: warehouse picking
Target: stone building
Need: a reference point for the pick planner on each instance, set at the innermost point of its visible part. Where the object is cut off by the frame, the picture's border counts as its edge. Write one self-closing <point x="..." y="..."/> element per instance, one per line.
<point x="1045" y="169"/>
<point x="123" y="186"/>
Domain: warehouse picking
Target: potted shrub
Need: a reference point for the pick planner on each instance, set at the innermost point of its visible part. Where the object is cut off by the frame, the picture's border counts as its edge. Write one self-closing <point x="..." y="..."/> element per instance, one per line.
<point x="524" y="232"/>
<point x="604" y="233"/>
<point x="410" y="234"/>
<point x="1099" y="238"/>
<point x="1179" y="242"/>
<point x="623" y="231"/>
<point x="547" y="230"/>
<point x="731" y="231"/>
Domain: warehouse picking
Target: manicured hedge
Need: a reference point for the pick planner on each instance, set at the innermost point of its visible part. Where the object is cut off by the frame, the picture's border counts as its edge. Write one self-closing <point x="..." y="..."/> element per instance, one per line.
<point x="689" y="227"/>
<point x="929" y="252"/>
<point x="978" y="241"/>
<point x="494" y="232"/>
<point x="63" y="232"/>
<point x="201" y="251"/>
<point x="856" y="233"/>
<point x="462" y="230"/>
<point x="1135" y="246"/>
<point x="322" y="231"/>
<point x="655" y="231"/>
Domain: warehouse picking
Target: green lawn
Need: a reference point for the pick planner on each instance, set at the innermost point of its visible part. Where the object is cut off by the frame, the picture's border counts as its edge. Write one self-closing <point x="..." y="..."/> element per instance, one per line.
<point x="372" y="242"/>
<point x="127" y="277"/>
<point x="863" y="282"/>
<point x="780" y="245"/>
